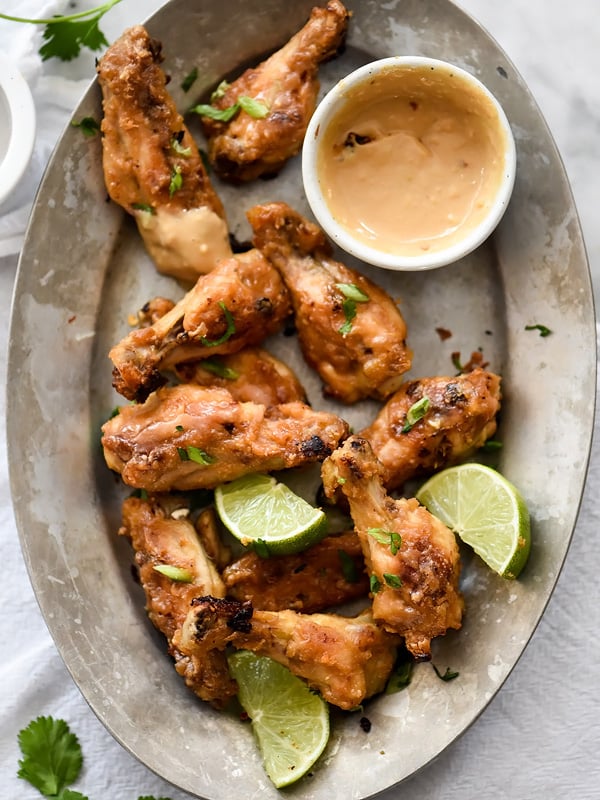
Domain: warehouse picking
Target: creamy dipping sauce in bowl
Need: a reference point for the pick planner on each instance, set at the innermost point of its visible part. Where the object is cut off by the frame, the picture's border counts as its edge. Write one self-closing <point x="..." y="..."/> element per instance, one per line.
<point x="409" y="163"/>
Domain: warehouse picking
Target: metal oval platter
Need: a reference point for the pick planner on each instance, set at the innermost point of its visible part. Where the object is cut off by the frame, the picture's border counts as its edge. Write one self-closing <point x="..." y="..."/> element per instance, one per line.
<point x="83" y="271"/>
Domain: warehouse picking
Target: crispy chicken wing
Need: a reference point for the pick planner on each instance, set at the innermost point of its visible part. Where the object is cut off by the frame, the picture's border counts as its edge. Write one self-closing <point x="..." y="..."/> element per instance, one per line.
<point x="191" y="437"/>
<point x="152" y="167"/>
<point x="241" y="302"/>
<point x="325" y="575"/>
<point x="460" y="416"/>
<point x="346" y="659"/>
<point x="358" y="346"/>
<point x="287" y="84"/>
<point x="161" y="536"/>
<point x="252" y="374"/>
<point x="412" y="557"/>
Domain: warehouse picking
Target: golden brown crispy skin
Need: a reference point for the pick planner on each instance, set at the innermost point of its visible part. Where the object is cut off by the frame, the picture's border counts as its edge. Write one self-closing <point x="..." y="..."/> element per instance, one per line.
<point x="158" y="539"/>
<point x="149" y="443"/>
<point x="252" y="374"/>
<point x="325" y="575"/>
<point x="366" y="361"/>
<point x="416" y="592"/>
<point x="461" y="416"/>
<point x="145" y="143"/>
<point x="346" y="659"/>
<point x="245" y="286"/>
<point x="245" y="148"/>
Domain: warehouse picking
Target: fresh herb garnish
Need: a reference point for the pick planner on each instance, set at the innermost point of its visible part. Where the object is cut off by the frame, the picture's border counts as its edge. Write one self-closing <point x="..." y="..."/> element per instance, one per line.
<point x="174" y="573"/>
<point x="179" y="428"/>
<point x="261" y="548"/>
<point x="88" y="125"/>
<point x="255" y="108"/>
<point x="416" y="412"/>
<point x="216" y="367"/>
<point x="141" y="493"/>
<point x="393" y="581"/>
<point x="189" y="80"/>
<point x="52" y="756"/>
<point x="402" y="674"/>
<point x="176" y="180"/>
<point x="456" y="362"/>
<point x="349" y="570"/>
<point x="391" y="539"/>
<point x="64" y="36"/>
<point x="492" y="445"/>
<point x="143" y="207"/>
<point x="544" y="331"/>
<point x="374" y="584"/>
<point x="228" y="332"/>
<point x="219" y="92"/>
<point x="195" y="454"/>
<point x="179" y="148"/>
<point x="352" y="296"/>
<point x="448" y="675"/>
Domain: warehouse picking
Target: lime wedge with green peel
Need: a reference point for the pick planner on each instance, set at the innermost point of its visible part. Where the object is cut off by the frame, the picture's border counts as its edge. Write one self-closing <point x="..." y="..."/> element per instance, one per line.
<point x="485" y="510"/>
<point x="289" y="721"/>
<point x="268" y="515"/>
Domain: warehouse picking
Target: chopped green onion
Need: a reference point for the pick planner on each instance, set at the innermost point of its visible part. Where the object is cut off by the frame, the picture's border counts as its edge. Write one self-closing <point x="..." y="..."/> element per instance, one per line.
<point x="391" y="539"/>
<point x="216" y="367"/>
<point x="349" y="570"/>
<point x="393" y="581"/>
<point x="544" y="331"/>
<point x="195" y="454"/>
<point x="352" y="292"/>
<point x="349" y="308"/>
<point x="491" y="445"/>
<point x="374" y="584"/>
<point x="174" y="573"/>
<point x="177" y="146"/>
<point x="255" y="108"/>
<point x="176" y="180"/>
<point x="189" y="80"/>
<point x="143" y="207"/>
<point x="219" y="92"/>
<point x="416" y="412"/>
<point x="352" y="295"/>
<point x="88" y="125"/>
<point x="228" y="333"/>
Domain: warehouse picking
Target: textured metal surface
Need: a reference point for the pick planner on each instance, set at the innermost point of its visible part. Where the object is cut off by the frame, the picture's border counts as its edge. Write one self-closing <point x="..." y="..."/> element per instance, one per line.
<point x="83" y="271"/>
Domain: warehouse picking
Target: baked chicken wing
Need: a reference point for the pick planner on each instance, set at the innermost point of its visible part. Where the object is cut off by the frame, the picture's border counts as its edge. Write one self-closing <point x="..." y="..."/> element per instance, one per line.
<point x="459" y="415"/>
<point x="191" y="437"/>
<point x="252" y="374"/>
<point x="411" y="556"/>
<point x="152" y="167"/>
<point x="287" y="85"/>
<point x="162" y="537"/>
<point x="350" y="331"/>
<point x="241" y="302"/>
<point x="325" y="575"/>
<point x="346" y="659"/>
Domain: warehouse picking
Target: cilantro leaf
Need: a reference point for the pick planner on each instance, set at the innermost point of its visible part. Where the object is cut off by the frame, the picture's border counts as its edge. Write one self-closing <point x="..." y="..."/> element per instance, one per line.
<point x="52" y="756"/>
<point x="64" y="39"/>
<point x="71" y="794"/>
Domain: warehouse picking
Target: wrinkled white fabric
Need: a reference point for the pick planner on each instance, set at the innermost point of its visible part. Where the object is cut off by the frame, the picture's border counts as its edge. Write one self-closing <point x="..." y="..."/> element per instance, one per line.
<point x="540" y="737"/>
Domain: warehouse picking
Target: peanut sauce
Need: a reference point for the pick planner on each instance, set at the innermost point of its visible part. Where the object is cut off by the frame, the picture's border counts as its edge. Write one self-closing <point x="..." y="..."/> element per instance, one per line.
<point x="412" y="166"/>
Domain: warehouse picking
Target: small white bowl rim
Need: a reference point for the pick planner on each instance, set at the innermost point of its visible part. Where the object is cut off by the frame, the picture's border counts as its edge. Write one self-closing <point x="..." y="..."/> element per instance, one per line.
<point x="22" y="127"/>
<point x="344" y="238"/>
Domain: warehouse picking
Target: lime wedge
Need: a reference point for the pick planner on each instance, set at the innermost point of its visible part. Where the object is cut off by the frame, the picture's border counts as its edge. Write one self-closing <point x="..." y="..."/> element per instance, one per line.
<point x="485" y="510"/>
<point x="268" y="515"/>
<point x="289" y="721"/>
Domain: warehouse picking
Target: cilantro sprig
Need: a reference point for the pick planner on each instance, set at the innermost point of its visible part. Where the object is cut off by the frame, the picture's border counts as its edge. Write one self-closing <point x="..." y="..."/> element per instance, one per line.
<point x="65" y="36"/>
<point x="52" y="759"/>
<point x="255" y="108"/>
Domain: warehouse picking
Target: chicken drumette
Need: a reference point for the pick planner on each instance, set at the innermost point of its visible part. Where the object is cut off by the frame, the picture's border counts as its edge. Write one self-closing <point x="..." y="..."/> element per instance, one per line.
<point x="412" y="557"/>
<point x="152" y="167"/>
<point x="350" y="331"/>
<point x="346" y="659"/>
<point x="162" y="536"/>
<point x="458" y="416"/>
<point x="191" y="437"/>
<point x="287" y="85"/>
<point x="241" y="302"/>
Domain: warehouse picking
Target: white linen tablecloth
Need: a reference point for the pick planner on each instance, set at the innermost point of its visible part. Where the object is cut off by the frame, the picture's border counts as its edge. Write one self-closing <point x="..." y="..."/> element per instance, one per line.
<point x="540" y="737"/>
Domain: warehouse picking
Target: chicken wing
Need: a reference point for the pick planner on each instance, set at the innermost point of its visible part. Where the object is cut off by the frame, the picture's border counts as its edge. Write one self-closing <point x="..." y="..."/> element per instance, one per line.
<point x="459" y="415"/>
<point x="346" y="659"/>
<point x="162" y="537"/>
<point x="252" y="374"/>
<point x="286" y="83"/>
<point x="152" y="166"/>
<point x="190" y="437"/>
<point x="350" y="331"/>
<point x="325" y="575"/>
<point x="241" y="302"/>
<point x="412" y="557"/>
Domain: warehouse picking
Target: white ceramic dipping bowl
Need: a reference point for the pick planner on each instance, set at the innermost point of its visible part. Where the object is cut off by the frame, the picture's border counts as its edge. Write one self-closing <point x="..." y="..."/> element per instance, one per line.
<point x="17" y="127"/>
<point x="443" y="172"/>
